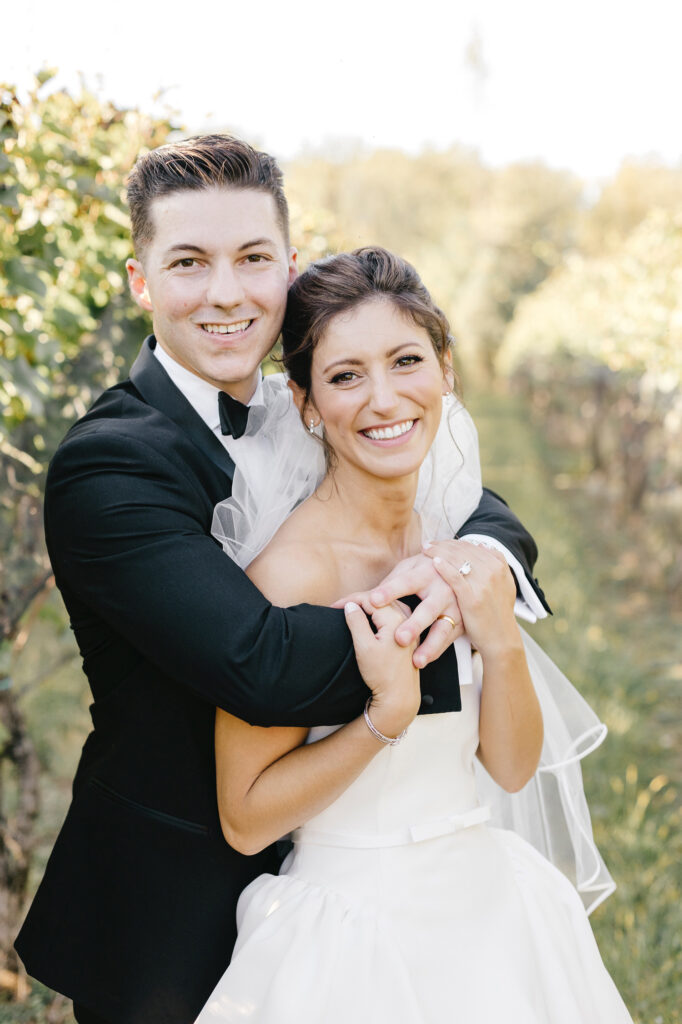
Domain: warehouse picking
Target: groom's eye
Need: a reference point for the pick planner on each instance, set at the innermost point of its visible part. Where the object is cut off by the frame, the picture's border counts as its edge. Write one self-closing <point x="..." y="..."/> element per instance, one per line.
<point x="185" y="262"/>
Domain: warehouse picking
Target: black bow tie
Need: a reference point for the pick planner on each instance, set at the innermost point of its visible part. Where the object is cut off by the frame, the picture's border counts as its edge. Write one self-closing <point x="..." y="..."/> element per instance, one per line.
<point x="233" y="415"/>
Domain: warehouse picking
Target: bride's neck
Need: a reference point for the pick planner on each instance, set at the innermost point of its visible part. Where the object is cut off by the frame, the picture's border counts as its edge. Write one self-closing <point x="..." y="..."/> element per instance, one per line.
<point x="370" y="509"/>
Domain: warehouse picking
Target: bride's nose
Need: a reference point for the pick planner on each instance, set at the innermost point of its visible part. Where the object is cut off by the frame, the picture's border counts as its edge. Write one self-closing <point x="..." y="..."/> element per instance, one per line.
<point x="383" y="397"/>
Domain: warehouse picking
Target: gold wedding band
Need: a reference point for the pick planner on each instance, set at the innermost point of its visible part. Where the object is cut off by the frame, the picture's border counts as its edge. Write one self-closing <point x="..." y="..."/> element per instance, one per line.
<point x="448" y="619"/>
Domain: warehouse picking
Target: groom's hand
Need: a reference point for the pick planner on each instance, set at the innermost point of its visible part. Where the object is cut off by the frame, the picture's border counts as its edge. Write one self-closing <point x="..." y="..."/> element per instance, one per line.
<point x="417" y="575"/>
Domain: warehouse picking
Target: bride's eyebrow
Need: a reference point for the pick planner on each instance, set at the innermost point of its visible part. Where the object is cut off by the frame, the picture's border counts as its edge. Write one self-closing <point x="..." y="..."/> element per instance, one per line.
<point x="358" y="362"/>
<point x="342" y="362"/>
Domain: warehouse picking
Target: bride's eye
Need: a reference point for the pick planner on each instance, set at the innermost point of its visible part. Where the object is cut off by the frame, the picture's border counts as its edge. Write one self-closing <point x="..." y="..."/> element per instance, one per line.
<point x="345" y="377"/>
<point x="409" y="360"/>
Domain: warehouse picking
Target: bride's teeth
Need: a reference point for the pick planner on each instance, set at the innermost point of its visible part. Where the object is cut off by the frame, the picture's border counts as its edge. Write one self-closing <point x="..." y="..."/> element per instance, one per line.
<point x="226" y="328"/>
<point x="386" y="433"/>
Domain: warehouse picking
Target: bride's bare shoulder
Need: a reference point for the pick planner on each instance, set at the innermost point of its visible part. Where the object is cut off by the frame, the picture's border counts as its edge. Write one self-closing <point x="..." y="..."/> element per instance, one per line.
<point x="296" y="567"/>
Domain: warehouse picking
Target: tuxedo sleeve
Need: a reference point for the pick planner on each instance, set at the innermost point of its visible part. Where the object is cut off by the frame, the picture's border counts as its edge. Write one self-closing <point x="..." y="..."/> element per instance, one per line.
<point x="495" y="520"/>
<point x="127" y="535"/>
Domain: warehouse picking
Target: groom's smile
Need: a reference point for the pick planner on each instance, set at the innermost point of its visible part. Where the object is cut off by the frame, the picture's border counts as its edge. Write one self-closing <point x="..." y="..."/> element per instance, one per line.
<point x="227" y="328"/>
<point x="215" y="277"/>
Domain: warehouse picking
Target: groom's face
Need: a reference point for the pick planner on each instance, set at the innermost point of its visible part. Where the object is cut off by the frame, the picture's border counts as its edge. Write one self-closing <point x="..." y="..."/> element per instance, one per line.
<point x="215" y="278"/>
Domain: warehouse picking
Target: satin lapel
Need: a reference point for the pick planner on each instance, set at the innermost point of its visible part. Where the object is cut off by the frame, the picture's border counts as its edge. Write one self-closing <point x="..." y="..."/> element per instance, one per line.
<point x="156" y="387"/>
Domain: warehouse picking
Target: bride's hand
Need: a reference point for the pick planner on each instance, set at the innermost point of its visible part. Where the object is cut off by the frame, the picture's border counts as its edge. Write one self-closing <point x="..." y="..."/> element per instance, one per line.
<point x="437" y="611"/>
<point x="386" y="667"/>
<point x="485" y="593"/>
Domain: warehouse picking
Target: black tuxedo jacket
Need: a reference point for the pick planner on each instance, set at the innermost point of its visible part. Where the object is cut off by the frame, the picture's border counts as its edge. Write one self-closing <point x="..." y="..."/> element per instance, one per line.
<point x="135" y="916"/>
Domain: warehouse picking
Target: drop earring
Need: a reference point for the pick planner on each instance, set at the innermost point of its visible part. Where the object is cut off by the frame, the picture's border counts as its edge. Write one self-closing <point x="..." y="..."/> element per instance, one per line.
<point x="311" y="427"/>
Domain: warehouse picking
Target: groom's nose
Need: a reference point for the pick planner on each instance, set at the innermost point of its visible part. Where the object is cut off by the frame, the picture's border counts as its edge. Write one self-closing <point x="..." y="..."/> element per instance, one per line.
<point x="224" y="286"/>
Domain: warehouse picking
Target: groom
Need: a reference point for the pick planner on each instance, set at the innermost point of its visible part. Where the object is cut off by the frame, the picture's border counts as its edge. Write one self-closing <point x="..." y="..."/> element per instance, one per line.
<point x="135" y="917"/>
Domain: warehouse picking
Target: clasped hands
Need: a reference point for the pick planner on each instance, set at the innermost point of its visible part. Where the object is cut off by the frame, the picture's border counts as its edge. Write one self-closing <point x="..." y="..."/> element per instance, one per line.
<point x="434" y="577"/>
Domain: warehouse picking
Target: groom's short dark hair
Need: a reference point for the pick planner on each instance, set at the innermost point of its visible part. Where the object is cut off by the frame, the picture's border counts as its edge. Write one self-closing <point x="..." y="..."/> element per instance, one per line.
<point x="204" y="161"/>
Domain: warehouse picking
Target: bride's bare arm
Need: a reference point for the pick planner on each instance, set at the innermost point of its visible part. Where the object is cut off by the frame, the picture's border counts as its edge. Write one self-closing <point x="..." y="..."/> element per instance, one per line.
<point x="266" y="788"/>
<point x="510" y="727"/>
<point x="268" y="782"/>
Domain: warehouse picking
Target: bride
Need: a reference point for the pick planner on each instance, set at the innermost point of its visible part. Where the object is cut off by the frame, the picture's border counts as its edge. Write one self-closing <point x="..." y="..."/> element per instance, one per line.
<point x="400" y="902"/>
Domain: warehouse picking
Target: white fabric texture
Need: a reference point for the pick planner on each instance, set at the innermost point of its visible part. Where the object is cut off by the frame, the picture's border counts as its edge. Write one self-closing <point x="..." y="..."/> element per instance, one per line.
<point x="281" y="465"/>
<point x="397" y="906"/>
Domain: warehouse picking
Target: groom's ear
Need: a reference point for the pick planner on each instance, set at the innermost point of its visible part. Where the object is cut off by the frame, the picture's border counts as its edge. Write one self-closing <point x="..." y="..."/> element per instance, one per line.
<point x="137" y="282"/>
<point x="293" y="265"/>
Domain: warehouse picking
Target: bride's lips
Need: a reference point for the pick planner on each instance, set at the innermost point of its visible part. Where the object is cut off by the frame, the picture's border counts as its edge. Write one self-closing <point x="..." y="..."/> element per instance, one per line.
<point x="389" y="435"/>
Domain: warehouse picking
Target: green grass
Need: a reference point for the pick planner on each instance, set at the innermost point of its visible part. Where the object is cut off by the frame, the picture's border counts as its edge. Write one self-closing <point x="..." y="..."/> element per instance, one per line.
<point x="620" y="645"/>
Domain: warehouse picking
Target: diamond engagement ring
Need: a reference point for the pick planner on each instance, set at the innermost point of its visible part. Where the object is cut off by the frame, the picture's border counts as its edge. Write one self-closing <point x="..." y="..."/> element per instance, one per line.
<point x="465" y="568"/>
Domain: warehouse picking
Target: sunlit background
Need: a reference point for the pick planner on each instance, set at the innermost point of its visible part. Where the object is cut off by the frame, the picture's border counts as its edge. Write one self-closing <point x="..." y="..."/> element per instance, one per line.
<point x="526" y="157"/>
<point x="579" y="85"/>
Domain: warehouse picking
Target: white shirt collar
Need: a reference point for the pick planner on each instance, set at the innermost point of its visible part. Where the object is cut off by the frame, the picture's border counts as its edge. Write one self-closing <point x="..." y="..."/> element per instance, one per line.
<point x="201" y="395"/>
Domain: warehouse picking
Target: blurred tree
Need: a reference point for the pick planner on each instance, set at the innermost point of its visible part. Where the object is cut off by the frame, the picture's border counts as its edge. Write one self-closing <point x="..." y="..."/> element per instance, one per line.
<point x="479" y="238"/>
<point x="599" y="346"/>
<point x="523" y="229"/>
<point x="624" y="202"/>
<point x="65" y="330"/>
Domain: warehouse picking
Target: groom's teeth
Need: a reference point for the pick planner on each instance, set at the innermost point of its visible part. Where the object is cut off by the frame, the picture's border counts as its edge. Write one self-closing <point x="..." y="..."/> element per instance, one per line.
<point x="386" y="433"/>
<point x="226" y="328"/>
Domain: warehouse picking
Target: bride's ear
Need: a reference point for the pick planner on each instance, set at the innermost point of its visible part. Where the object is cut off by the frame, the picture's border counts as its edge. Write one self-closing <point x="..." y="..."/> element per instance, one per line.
<point x="304" y="404"/>
<point x="449" y="377"/>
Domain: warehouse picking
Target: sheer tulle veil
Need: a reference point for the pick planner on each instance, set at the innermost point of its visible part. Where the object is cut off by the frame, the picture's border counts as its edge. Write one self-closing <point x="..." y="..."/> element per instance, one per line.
<point x="280" y="465"/>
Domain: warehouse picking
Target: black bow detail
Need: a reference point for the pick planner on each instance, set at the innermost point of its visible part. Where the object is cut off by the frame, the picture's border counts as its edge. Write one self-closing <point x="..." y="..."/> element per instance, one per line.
<point x="234" y="415"/>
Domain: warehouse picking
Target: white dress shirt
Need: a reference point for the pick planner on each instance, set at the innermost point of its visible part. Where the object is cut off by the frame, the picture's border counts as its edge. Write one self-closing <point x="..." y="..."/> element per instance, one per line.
<point x="203" y="397"/>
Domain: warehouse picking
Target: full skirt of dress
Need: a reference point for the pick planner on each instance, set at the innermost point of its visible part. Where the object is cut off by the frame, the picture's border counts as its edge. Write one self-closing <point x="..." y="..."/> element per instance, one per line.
<point x="400" y="905"/>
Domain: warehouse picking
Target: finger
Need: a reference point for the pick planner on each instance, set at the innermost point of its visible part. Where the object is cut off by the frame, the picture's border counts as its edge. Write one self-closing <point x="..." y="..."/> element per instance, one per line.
<point x="360" y="629"/>
<point x="402" y="583"/>
<point x="452" y="573"/>
<point x="388" y="618"/>
<point x="437" y="599"/>
<point x="483" y="569"/>
<point x="426" y="615"/>
<point x="438" y="639"/>
<point x="361" y="598"/>
<point x="456" y="552"/>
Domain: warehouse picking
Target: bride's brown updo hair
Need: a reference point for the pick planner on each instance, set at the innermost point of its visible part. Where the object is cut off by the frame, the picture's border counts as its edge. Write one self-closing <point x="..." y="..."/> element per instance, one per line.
<point x="338" y="284"/>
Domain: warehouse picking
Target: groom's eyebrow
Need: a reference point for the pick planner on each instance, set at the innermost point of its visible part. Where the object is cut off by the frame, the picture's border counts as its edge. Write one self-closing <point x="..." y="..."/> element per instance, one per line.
<point x="254" y="242"/>
<point x="185" y="247"/>
<point x="191" y="247"/>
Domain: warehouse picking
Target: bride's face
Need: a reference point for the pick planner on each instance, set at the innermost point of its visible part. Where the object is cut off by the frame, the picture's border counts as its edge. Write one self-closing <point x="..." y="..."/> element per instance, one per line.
<point x="377" y="385"/>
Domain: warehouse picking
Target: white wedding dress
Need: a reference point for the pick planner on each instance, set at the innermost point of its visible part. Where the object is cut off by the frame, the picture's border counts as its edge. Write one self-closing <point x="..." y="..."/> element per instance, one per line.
<point x="400" y="904"/>
<point x="404" y="902"/>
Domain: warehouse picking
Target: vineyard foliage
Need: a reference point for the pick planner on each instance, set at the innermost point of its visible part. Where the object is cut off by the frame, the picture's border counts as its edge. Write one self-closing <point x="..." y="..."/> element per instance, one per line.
<point x="597" y="349"/>
<point x="63" y="242"/>
<point x="65" y="333"/>
<point x="65" y="322"/>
